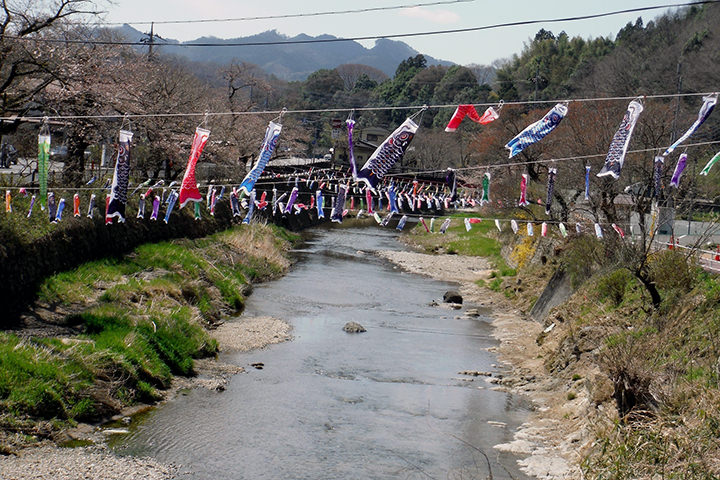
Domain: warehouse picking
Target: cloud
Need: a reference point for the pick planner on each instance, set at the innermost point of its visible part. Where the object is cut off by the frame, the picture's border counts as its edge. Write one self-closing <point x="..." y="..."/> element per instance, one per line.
<point x="435" y="16"/>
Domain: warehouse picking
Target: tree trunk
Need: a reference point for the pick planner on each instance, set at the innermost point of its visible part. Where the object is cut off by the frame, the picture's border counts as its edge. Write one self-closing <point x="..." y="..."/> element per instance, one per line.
<point x="74" y="170"/>
<point x="650" y="287"/>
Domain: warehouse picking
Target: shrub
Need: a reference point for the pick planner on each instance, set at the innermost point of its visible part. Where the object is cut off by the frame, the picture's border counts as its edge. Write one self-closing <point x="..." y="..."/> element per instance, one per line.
<point x="613" y="285"/>
<point x="581" y="257"/>
<point x="671" y="270"/>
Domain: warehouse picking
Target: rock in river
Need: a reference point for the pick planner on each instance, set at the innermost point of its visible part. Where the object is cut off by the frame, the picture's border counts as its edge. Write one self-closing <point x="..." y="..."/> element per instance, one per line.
<point x="354" y="327"/>
<point x="452" y="296"/>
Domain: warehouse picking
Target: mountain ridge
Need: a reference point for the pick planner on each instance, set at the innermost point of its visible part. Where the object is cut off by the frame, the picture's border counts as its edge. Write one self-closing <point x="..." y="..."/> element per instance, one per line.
<point x="289" y="61"/>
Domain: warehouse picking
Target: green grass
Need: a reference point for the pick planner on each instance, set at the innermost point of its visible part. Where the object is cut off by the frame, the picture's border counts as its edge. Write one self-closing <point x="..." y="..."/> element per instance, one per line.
<point x="477" y="242"/>
<point x="140" y="331"/>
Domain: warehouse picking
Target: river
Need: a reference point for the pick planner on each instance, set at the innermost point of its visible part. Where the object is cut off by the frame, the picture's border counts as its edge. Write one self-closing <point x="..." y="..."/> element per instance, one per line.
<point x="388" y="403"/>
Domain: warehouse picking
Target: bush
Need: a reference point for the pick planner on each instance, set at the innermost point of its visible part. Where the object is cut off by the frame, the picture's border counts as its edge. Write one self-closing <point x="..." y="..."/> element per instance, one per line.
<point x="671" y="270"/>
<point x="581" y="257"/>
<point x="613" y="285"/>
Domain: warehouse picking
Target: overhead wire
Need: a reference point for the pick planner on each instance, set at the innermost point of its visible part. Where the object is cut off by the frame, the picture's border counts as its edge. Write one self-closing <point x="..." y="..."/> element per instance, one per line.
<point x="290" y="15"/>
<point x="337" y="109"/>
<point x="369" y="37"/>
<point x="548" y="160"/>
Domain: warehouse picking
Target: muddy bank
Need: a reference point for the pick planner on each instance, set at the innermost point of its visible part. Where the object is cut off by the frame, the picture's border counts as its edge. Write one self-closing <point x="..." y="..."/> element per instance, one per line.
<point x="556" y="434"/>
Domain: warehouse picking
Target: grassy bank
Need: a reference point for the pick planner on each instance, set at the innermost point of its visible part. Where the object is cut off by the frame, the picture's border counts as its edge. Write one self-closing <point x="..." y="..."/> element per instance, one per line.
<point x="130" y="325"/>
<point x="643" y="377"/>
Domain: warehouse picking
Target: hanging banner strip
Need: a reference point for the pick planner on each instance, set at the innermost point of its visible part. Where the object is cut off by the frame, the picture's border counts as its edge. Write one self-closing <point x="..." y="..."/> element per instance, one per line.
<point x="119" y="191"/>
<point x="272" y="134"/>
<point x="485" y="198"/>
<point x="189" y="191"/>
<point x="708" y="105"/>
<point x="338" y="210"/>
<point x="710" y="164"/>
<point x="523" y="191"/>
<point x="657" y="176"/>
<point x="587" y="182"/>
<point x="43" y="165"/>
<point x="550" y="189"/>
<point x="251" y="209"/>
<point x="621" y="141"/>
<point x="679" y="169"/>
<point x="469" y="110"/>
<point x="537" y="131"/>
<point x="387" y="154"/>
<point x="351" y="147"/>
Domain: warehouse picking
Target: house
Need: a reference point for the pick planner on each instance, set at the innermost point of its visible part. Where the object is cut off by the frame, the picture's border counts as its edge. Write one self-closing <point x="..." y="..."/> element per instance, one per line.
<point x="365" y="142"/>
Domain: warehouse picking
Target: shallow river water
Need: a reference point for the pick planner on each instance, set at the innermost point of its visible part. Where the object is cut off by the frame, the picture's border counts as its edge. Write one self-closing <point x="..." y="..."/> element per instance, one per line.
<point x="388" y="403"/>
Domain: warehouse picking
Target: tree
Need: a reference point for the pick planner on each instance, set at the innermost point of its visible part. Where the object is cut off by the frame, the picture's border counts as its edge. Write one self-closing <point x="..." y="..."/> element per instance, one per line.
<point x="28" y="68"/>
<point x="351" y="73"/>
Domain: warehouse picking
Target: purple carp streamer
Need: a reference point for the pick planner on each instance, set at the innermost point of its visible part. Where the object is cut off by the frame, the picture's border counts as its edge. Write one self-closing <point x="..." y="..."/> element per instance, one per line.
<point x="537" y="131"/>
<point x="119" y="191"/>
<point x="679" y="169"/>
<point x="337" y="212"/>
<point x="708" y="105"/>
<point x="291" y="200"/>
<point x="156" y="208"/>
<point x="387" y="154"/>
<point x="620" y="142"/>
<point x="32" y="204"/>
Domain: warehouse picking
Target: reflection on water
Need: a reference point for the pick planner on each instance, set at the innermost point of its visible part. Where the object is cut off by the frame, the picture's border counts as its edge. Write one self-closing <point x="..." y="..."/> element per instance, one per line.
<point x="387" y="403"/>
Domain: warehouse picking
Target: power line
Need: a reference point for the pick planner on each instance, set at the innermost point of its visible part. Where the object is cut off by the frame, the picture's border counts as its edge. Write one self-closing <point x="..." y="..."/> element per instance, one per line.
<point x="284" y="180"/>
<point x="374" y="37"/>
<point x="343" y="109"/>
<point x="549" y="160"/>
<point x="292" y="15"/>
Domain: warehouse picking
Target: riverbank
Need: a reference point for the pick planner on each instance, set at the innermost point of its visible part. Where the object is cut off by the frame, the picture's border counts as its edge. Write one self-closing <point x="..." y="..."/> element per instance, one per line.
<point x="549" y="439"/>
<point x="97" y="462"/>
<point x="106" y="340"/>
<point x="620" y="357"/>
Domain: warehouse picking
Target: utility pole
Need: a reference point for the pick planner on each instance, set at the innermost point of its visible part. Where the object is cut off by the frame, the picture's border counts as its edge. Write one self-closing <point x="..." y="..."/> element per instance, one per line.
<point x="151" y="41"/>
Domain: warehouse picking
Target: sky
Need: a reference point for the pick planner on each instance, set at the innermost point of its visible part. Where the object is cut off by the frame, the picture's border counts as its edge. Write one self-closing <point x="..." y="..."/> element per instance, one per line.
<point x="463" y="48"/>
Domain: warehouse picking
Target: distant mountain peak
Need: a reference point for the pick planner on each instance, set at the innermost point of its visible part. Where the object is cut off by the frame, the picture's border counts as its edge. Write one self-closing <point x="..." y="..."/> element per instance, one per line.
<point x="293" y="61"/>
